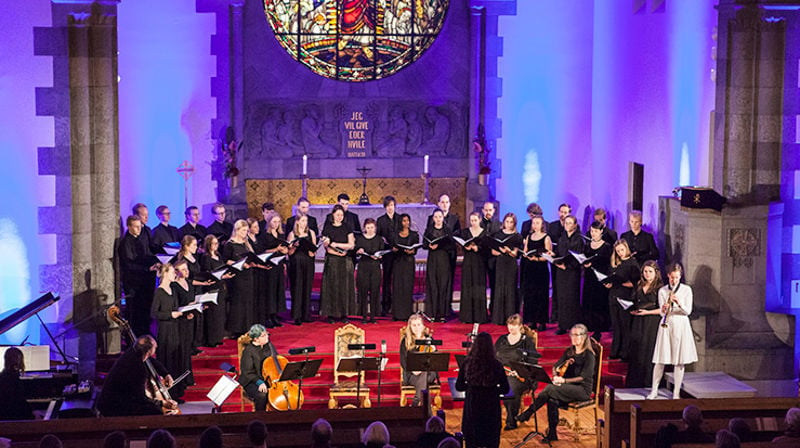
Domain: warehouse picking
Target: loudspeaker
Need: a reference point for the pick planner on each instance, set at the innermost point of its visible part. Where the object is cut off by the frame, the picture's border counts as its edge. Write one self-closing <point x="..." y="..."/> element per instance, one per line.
<point x="636" y="185"/>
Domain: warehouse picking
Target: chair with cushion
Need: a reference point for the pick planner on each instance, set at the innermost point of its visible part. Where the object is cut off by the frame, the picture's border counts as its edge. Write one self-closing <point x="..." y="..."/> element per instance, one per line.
<point x="241" y="343"/>
<point x="347" y="388"/>
<point x="435" y="390"/>
<point x="577" y="406"/>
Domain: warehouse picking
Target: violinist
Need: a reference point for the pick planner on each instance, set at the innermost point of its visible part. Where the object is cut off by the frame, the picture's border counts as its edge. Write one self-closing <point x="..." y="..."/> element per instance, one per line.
<point x="573" y="380"/>
<point x="518" y="345"/>
<point x="251" y="377"/>
<point x="124" y="388"/>
<point x="414" y="331"/>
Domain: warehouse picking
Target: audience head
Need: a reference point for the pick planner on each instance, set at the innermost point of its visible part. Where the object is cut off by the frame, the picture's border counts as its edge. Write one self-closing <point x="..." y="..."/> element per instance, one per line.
<point x="134" y="225"/>
<point x="116" y="439"/>
<point x="534" y="209"/>
<point x="219" y="212"/>
<point x="192" y="214"/>
<point x="14" y="361"/>
<point x="161" y="438"/>
<point x="434" y="424"/>
<point x="793" y="420"/>
<point x="740" y="427"/>
<point x="257" y="433"/>
<point x="321" y="432"/>
<point x="727" y="439"/>
<point x="211" y="437"/>
<point x="692" y="416"/>
<point x="444" y="203"/>
<point x="50" y="441"/>
<point x="376" y="434"/>
<point x="449" y="442"/>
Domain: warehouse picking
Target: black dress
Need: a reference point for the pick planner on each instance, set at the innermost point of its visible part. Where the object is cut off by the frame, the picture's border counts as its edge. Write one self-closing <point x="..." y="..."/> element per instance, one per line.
<point x="260" y="282"/>
<point x="301" y="279"/>
<point x="13" y="405"/>
<point x="403" y="277"/>
<point x="214" y="315"/>
<point x="569" y="281"/>
<point x="186" y="329"/>
<point x="506" y="353"/>
<point x="473" y="281"/>
<point x="240" y="293"/>
<point x="627" y="271"/>
<point x="504" y="298"/>
<point x="480" y="422"/>
<point x="595" y="294"/>
<point x="438" y="273"/>
<point x="275" y="286"/>
<point x="387" y="227"/>
<point x="644" y="330"/>
<point x="197" y="322"/>
<point x="535" y="280"/>
<point x="368" y="278"/>
<point x="337" y="295"/>
<point x="170" y="351"/>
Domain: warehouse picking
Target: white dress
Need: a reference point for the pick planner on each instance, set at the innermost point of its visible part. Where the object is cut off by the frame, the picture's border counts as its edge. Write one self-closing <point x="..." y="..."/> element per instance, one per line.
<point x="675" y="343"/>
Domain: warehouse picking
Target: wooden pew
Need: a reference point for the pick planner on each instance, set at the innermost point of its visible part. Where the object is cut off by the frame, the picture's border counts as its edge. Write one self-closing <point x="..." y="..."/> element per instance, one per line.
<point x="286" y="429"/>
<point x="618" y="419"/>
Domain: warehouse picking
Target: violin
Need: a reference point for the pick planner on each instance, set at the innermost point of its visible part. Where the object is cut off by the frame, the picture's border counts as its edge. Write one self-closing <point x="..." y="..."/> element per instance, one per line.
<point x="155" y="388"/>
<point x="562" y="369"/>
<point x="283" y="395"/>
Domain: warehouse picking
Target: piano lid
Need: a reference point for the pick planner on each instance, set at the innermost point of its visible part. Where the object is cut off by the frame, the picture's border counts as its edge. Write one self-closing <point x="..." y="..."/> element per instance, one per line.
<point x="27" y="311"/>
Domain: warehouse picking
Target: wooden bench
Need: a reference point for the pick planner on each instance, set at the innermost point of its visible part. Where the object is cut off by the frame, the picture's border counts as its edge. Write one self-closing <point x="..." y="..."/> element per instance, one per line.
<point x="621" y="423"/>
<point x="286" y="429"/>
<point x="712" y="445"/>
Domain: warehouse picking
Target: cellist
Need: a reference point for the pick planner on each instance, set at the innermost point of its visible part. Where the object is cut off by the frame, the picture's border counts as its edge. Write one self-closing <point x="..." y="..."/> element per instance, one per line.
<point x="253" y="356"/>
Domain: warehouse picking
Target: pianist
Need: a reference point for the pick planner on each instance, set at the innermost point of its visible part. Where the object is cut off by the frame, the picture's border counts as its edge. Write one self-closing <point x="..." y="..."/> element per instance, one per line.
<point x="12" y="398"/>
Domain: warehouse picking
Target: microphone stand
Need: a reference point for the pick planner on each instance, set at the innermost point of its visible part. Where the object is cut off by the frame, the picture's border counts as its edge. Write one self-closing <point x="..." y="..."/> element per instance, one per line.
<point x="380" y="371"/>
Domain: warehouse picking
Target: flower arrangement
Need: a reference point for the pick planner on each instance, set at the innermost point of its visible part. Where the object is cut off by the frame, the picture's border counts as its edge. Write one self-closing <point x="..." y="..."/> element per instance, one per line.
<point x="229" y="150"/>
<point x="482" y="151"/>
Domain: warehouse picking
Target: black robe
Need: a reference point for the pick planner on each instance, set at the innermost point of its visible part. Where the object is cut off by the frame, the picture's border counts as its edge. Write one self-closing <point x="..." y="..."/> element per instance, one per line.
<point x="138" y="281"/>
<point x="198" y="231"/>
<point x="337" y="294"/>
<point x="644" y="330"/>
<point x="222" y="230"/>
<point x="473" y="281"/>
<point x="504" y="295"/>
<point x="438" y="273"/>
<point x="480" y="422"/>
<point x="214" y="316"/>
<point x="595" y="294"/>
<point x="642" y="246"/>
<point x="368" y="277"/>
<point x="535" y="284"/>
<point x="403" y="277"/>
<point x="123" y="390"/>
<point x="386" y="228"/>
<point x="241" y="312"/>
<point x="162" y="235"/>
<point x="569" y="281"/>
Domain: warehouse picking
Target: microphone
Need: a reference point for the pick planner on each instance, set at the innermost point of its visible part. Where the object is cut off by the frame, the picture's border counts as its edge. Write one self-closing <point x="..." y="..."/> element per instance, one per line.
<point x="301" y="350"/>
<point x="361" y="346"/>
<point x="428" y="342"/>
<point x="383" y="346"/>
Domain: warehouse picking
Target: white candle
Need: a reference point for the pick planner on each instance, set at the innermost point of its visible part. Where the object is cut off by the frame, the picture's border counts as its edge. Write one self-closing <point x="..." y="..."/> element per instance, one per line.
<point x="305" y="164"/>
<point x="425" y="165"/>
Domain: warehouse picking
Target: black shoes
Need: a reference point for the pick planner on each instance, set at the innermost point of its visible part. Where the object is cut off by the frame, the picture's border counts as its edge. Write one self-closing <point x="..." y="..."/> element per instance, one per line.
<point x="510" y="425"/>
<point x="524" y="417"/>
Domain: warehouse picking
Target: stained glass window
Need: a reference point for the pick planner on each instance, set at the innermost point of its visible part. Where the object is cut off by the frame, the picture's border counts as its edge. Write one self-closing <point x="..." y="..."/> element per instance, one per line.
<point x="356" y="40"/>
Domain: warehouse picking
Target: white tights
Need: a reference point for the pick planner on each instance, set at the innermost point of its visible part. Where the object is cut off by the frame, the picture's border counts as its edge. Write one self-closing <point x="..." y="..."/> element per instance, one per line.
<point x="658" y="372"/>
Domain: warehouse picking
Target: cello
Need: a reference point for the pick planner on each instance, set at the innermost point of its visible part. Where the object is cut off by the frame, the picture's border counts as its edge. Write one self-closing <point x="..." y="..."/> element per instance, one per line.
<point x="283" y="395"/>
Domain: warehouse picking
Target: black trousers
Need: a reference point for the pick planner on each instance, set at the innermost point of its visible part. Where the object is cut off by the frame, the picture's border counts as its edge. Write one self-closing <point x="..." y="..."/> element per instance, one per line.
<point x="259" y="398"/>
<point x="368" y="284"/>
<point x="557" y="397"/>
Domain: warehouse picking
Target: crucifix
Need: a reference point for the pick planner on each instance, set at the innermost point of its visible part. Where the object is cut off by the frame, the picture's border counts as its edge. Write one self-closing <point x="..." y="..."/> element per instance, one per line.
<point x="364" y="199"/>
<point x="186" y="171"/>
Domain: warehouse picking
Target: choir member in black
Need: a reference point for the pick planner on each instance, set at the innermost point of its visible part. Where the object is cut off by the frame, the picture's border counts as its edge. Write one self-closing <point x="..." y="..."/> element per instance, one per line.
<point x="193" y="226"/>
<point x="183" y="290"/>
<point x="473" y="273"/>
<point x="388" y="225"/>
<point x="644" y="329"/>
<point x="240" y="287"/>
<point x="518" y="345"/>
<point x="452" y="223"/>
<point x="253" y="356"/>
<point x="188" y="252"/>
<point x="266" y="210"/>
<point x="504" y="297"/>
<point x="220" y="228"/>
<point x="642" y="244"/>
<point x="123" y="392"/>
<point x="301" y="268"/>
<point x="575" y="384"/>
<point x="535" y="274"/>
<point x="438" y="276"/>
<point x="595" y="294"/>
<point x="609" y="235"/>
<point x="414" y="331"/>
<point x="274" y="241"/>
<point x="301" y="209"/>
<point x="350" y="218"/>
<point x="13" y="405"/>
<point x="172" y="351"/>
<point x="143" y="213"/>
<point x="569" y="276"/>
<point x="214" y="316"/>
<point x="483" y="380"/>
<point x="533" y="211"/>
<point x="337" y="295"/>
<point x="138" y="276"/>
<point x="163" y="233"/>
<point x="368" y="278"/>
<point x="404" y="269"/>
<point x="624" y="275"/>
<point x="492" y="226"/>
<point x="555" y="229"/>
<point x="261" y="274"/>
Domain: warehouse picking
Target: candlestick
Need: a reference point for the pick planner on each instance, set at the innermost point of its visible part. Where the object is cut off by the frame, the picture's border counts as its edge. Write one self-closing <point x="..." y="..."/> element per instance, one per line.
<point x="305" y="164"/>
<point x="425" y="164"/>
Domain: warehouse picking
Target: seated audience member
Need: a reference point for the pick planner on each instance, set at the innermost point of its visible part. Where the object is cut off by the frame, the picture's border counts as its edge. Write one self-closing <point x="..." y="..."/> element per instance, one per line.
<point x="321" y="434"/>
<point x="13" y="405"/>
<point x="5" y="443"/>
<point x="693" y="433"/>
<point x="449" y="442"/>
<point x="727" y="439"/>
<point x="116" y="439"/>
<point x="161" y="438"/>
<point x="434" y="433"/>
<point x="742" y="430"/>
<point x="257" y="434"/>
<point x="211" y="437"/>
<point x="50" y="441"/>
<point x="792" y="434"/>
<point x="375" y="436"/>
<point x="666" y="435"/>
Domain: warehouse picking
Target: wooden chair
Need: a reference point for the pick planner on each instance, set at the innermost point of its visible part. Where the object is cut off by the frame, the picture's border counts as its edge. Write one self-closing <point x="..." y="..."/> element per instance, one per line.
<point x="342" y="337"/>
<point x="434" y="390"/>
<point x="592" y="403"/>
<point x="241" y="343"/>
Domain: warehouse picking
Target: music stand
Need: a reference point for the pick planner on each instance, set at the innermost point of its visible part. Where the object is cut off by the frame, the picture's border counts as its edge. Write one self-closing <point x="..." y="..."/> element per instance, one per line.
<point x="428" y="362"/>
<point x="297" y="371"/>
<point x="531" y="372"/>
<point x="358" y="365"/>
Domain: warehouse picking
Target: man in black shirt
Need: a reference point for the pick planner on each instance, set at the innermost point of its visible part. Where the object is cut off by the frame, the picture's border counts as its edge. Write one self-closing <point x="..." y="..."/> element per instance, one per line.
<point x="642" y="244"/>
<point x="302" y="210"/>
<point x="141" y="211"/>
<point x="123" y="390"/>
<point x="220" y="228"/>
<point x="388" y="224"/>
<point x="164" y="233"/>
<point x="609" y="235"/>
<point x="193" y="226"/>
<point x="453" y="225"/>
<point x="350" y="218"/>
<point x="137" y="266"/>
<point x="491" y="226"/>
<point x="554" y="230"/>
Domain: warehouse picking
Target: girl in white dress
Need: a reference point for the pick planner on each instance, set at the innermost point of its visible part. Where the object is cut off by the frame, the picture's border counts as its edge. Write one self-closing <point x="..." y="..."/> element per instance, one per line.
<point x="675" y="340"/>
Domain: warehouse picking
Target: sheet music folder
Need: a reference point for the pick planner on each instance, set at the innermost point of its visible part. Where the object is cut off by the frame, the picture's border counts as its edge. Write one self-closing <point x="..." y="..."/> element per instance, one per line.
<point x="533" y="372"/>
<point x="428" y="362"/>
<point x="358" y="364"/>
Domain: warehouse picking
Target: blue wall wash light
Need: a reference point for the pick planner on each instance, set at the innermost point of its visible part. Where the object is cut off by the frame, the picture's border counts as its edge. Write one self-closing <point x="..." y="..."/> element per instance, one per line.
<point x="355" y="40"/>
